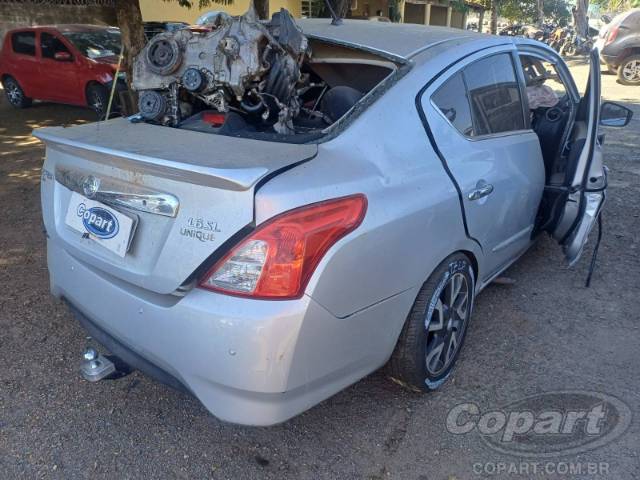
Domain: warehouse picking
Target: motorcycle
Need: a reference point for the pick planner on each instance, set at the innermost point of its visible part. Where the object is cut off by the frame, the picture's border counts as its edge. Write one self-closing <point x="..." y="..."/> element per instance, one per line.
<point x="575" y="44"/>
<point x="557" y="38"/>
<point x="511" y="30"/>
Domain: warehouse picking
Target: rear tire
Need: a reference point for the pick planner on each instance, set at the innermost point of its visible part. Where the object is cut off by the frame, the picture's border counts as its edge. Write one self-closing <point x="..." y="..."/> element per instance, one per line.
<point x="434" y="331"/>
<point x="14" y="93"/>
<point x="97" y="99"/>
<point x="629" y="71"/>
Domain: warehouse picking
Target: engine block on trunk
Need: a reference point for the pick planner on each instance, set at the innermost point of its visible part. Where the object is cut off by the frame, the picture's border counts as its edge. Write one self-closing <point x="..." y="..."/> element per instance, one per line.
<point x="232" y="63"/>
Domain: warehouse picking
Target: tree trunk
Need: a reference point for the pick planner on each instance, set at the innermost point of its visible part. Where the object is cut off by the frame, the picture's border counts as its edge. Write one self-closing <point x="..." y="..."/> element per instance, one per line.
<point x="540" y="12"/>
<point x="133" y="40"/>
<point x="580" y="19"/>
<point x="341" y="7"/>
<point x="262" y="8"/>
<point x="494" y="17"/>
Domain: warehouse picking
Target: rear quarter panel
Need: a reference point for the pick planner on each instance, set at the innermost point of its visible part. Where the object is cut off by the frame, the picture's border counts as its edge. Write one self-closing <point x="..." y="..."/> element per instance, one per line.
<point x="23" y="68"/>
<point x="3" y="54"/>
<point x="413" y="219"/>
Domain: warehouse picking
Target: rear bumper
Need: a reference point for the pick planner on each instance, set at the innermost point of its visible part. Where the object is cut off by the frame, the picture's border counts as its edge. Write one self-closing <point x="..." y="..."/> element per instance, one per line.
<point x="611" y="60"/>
<point x="125" y="353"/>
<point x="248" y="361"/>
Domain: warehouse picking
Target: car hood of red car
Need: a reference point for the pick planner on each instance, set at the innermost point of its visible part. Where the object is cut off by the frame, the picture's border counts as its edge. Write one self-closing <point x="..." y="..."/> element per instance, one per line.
<point x="110" y="60"/>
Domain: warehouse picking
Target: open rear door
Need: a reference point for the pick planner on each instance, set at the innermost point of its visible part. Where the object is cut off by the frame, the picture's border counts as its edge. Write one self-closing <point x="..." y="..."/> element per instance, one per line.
<point x="587" y="180"/>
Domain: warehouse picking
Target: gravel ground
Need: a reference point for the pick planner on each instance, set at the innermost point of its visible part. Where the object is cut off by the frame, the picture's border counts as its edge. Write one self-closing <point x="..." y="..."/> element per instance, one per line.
<point x="544" y="333"/>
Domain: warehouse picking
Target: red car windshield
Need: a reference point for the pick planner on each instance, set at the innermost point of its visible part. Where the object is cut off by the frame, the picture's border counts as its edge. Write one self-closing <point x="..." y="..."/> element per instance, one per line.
<point x="96" y="43"/>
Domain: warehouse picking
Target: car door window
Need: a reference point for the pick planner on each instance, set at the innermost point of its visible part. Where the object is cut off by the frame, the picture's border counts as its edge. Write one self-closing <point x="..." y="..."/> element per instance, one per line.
<point x="50" y="45"/>
<point x="451" y="99"/>
<point x="494" y="95"/>
<point x="542" y="75"/>
<point x="24" y="43"/>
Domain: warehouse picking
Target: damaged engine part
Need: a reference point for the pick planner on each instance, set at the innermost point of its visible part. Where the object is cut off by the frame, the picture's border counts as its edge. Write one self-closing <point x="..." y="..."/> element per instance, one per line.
<point x="228" y="64"/>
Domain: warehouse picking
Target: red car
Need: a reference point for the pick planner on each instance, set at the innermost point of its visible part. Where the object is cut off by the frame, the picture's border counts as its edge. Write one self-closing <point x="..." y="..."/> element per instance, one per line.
<point x="73" y="64"/>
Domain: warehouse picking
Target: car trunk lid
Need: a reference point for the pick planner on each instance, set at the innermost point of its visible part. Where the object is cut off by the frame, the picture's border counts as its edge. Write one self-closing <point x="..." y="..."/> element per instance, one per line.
<point x="187" y="192"/>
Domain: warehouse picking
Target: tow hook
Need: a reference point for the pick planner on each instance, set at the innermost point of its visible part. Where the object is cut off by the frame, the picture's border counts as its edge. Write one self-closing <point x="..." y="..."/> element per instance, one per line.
<point x="94" y="366"/>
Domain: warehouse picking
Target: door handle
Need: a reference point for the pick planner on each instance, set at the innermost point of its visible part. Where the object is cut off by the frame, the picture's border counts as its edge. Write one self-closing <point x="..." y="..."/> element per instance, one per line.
<point x="480" y="192"/>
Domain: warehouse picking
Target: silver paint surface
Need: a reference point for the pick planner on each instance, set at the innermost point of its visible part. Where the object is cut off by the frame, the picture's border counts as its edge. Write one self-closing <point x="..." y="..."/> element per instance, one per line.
<point x="290" y="355"/>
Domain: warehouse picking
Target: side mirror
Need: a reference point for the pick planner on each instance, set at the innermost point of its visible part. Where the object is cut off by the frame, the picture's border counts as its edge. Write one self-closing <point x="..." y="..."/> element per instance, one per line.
<point x="62" y="56"/>
<point x="614" y="115"/>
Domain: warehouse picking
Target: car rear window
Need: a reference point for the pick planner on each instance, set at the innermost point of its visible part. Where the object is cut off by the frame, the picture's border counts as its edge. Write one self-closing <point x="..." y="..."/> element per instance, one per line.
<point x="494" y="93"/>
<point x="451" y="99"/>
<point x="24" y="43"/>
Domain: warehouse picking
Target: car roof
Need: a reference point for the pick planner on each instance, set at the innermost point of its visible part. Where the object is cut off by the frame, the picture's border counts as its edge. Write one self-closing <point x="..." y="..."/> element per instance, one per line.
<point x="402" y="40"/>
<point x="67" y="27"/>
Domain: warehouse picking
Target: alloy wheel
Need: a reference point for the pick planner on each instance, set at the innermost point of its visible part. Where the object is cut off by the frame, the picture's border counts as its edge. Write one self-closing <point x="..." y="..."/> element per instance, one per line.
<point x="631" y="71"/>
<point x="96" y="103"/>
<point x="14" y="94"/>
<point x="445" y="327"/>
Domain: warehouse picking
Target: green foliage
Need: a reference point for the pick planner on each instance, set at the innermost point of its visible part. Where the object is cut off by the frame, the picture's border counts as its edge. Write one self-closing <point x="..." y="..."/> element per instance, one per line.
<point x="394" y="10"/>
<point x="459" y="5"/>
<point x="615" y="5"/>
<point x="524" y="11"/>
<point x="318" y="8"/>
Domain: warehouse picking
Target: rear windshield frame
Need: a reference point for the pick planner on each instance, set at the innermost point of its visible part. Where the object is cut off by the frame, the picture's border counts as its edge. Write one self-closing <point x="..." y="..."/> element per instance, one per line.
<point x="403" y="66"/>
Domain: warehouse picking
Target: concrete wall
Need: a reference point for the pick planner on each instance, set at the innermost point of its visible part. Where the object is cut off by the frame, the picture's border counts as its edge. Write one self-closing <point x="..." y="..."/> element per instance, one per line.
<point x="159" y="10"/>
<point x="438" y="15"/>
<point x="457" y="19"/>
<point x="21" y="14"/>
<point x="414" y="13"/>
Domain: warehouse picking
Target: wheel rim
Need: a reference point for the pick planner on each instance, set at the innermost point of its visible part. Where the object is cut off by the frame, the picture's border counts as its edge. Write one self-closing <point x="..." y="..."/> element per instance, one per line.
<point x="631" y="71"/>
<point x="446" y="325"/>
<point x="96" y="103"/>
<point x="14" y="94"/>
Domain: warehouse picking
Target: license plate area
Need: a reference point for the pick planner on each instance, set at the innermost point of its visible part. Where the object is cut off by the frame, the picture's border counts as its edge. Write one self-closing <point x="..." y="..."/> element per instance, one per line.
<point x="102" y="224"/>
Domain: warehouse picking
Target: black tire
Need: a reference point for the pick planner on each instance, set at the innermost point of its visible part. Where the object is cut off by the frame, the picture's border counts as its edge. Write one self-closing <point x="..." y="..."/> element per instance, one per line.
<point x="412" y="362"/>
<point x="97" y="99"/>
<point x="14" y="93"/>
<point x="629" y="71"/>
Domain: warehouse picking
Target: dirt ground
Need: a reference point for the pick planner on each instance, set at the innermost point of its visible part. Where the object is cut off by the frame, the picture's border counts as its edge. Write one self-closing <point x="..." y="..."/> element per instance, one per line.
<point x="544" y="333"/>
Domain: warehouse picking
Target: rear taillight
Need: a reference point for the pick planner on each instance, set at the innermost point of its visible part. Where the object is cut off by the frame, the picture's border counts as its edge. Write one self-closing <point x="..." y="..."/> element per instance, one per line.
<point x="612" y="34"/>
<point x="277" y="260"/>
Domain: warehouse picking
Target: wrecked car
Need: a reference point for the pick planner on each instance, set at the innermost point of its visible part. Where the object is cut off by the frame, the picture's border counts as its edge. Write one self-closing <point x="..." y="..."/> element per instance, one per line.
<point x="299" y="204"/>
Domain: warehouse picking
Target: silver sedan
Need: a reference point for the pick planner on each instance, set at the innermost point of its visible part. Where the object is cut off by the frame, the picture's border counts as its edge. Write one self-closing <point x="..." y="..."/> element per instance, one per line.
<point x="265" y="275"/>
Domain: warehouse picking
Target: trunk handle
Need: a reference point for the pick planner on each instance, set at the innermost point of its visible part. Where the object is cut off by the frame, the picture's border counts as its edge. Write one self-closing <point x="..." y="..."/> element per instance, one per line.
<point x="107" y="192"/>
